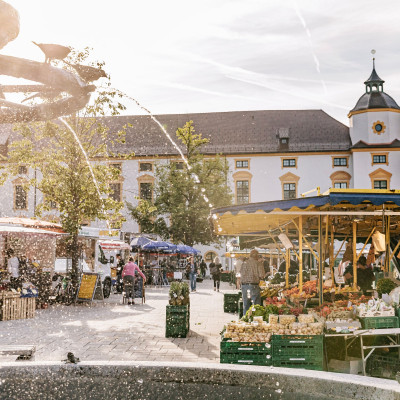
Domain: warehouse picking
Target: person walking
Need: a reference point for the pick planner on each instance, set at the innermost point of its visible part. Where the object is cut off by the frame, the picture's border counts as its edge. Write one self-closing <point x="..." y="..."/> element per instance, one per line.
<point x="192" y="268"/>
<point x="238" y="267"/>
<point x="215" y="271"/>
<point x="203" y="268"/>
<point x="252" y="271"/>
<point x="128" y="276"/>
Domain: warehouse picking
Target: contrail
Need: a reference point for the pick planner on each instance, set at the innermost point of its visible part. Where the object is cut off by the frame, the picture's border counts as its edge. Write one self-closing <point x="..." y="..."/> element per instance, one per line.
<point x="308" y="33"/>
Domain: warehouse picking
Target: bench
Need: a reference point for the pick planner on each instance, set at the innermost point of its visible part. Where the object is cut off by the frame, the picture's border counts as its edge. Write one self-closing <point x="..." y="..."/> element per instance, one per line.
<point x="24" y="352"/>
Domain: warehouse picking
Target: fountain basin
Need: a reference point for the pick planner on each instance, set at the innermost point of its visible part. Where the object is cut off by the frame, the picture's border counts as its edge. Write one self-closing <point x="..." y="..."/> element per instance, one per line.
<point x="152" y="380"/>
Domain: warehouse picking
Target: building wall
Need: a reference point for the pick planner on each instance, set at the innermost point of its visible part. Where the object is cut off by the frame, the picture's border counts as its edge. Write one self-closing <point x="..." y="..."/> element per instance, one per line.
<point x="361" y="127"/>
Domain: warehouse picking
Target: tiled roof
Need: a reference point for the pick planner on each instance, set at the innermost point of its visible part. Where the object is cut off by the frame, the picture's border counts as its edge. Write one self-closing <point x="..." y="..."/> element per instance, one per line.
<point x="230" y="132"/>
<point x="236" y="132"/>
<point x="363" y="145"/>
<point x="375" y="100"/>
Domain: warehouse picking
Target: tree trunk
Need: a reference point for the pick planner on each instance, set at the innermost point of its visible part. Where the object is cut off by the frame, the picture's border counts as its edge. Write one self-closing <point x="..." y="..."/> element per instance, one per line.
<point x="75" y="259"/>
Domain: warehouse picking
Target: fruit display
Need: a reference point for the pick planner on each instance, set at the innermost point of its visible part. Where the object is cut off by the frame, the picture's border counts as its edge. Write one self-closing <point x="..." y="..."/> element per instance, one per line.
<point x="260" y="311"/>
<point x="305" y="318"/>
<point x="179" y="294"/>
<point x="375" y="308"/>
<point x="261" y="331"/>
<point x="270" y="292"/>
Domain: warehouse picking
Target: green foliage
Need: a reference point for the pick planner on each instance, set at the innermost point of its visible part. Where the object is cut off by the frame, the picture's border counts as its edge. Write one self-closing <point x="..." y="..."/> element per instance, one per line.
<point x="179" y="294"/>
<point x="261" y="311"/>
<point x="181" y="193"/>
<point x="385" y="285"/>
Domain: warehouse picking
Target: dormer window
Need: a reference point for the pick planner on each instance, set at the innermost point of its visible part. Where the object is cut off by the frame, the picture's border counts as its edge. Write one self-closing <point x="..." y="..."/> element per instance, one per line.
<point x="284" y="143"/>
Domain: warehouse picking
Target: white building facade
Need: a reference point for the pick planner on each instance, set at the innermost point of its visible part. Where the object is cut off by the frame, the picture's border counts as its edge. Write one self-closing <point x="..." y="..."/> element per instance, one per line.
<point x="272" y="155"/>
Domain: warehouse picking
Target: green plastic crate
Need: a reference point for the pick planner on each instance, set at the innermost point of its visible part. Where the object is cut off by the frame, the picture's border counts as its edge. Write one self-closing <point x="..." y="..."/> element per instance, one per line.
<point x="298" y="351"/>
<point x="248" y="353"/>
<point x="246" y="358"/>
<point x="240" y="308"/>
<point x="231" y="302"/>
<point x="383" y="366"/>
<point x="177" y="309"/>
<point x="177" y="321"/>
<point x="379" y="322"/>
<point x="245" y="347"/>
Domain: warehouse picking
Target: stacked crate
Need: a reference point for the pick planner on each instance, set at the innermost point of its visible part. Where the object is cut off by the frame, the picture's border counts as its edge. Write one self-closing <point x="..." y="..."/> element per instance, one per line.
<point x="240" y="308"/>
<point x="231" y="301"/>
<point x="14" y="307"/>
<point x="383" y="366"/>
<point x="177" y="321"/>
<point x="298" y="351"/>
<point x="248" y="353"/>
<point x="379" y="322"/>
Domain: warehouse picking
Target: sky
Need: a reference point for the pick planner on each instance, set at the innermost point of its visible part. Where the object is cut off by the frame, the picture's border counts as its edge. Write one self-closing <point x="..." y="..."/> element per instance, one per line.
<point x="186" y="56"/>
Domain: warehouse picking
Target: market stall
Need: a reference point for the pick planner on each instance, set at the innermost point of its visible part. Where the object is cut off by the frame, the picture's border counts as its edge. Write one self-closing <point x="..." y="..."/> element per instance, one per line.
<point x="298" y="325"/>
<point x="34" y="253"/>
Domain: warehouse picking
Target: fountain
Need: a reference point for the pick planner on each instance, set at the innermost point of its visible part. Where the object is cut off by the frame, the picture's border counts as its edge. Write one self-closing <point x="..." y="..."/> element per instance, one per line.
<point x="51" y="79"/>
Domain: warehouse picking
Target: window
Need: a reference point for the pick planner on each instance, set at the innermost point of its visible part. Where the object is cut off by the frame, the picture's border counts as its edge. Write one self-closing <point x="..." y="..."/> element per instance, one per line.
<point x="146" y="191"/>
<point x="340" y="161"/>
<point x="117" y="166"/>
<point x="145" y="166"/>
<point x="209" y="256"/>
<point x="289" y="162"/>
<point x="380" y="158"/>
<point x="242" y="163"/>
<point x="340" y="180"/>
<point x="242" y="192"/>
<point x="115" y="188"/>
<point x="381" y="184"/>
<point x="284" y="143"/>
<point x="380" y="179"/>
<point x="178" y="164"/>
<point x="20" y="198"/>
<point x="52" y="204"/>
<point x="22" y="170"/>
<point x="289" y="191"/>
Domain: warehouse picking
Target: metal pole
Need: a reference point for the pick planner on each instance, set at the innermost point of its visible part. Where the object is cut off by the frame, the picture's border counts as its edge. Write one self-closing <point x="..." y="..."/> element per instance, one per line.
<point x="320" y="262"/>
<point x="354" y="255"/>
<point x="301" y="253"/>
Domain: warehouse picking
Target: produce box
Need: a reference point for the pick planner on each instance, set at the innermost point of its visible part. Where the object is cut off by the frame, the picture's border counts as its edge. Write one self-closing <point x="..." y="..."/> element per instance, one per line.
<point x="250" y="353"/>
<point x="298" y="351"/>
<point x="240" y="308"/>
<point x="231" y="302"/>
<point x="379" y="322"/>
<point x="383" y="366"/>
<point x="177" y="321"/>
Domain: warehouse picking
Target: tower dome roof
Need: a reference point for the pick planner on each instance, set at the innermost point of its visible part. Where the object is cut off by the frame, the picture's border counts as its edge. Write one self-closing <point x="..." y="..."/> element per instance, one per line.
<point x="374" y="96"/>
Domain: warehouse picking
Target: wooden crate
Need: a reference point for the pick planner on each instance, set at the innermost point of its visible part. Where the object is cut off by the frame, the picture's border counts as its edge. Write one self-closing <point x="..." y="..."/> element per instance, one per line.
<point x="17" y="308"/>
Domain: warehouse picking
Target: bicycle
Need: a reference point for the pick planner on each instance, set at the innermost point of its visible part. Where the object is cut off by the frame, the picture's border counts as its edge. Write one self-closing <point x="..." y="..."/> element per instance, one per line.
<point x="64" y="291"/>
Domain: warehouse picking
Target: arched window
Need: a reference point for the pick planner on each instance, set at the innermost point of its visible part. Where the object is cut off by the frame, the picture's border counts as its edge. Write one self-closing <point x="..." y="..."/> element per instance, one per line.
<point x="289" y="183"/>
<point x="209" y="256"/>
<point x="340" y="180"/>
<point x="380" y="179"/>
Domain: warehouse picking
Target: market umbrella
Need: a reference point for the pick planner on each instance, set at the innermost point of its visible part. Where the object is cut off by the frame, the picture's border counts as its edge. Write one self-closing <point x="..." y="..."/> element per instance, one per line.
<point x="140" y="241"/>
<point x="159" y="246"/>
<point x="185" y="249"/>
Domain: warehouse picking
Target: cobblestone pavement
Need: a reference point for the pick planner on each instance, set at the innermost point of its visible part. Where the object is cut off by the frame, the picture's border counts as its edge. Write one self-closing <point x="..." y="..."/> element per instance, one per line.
<point x="113" y="331"/>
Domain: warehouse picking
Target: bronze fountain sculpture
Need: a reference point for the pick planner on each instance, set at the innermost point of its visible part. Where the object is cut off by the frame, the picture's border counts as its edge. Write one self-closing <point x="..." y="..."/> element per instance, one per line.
<point x="50" y="79"/>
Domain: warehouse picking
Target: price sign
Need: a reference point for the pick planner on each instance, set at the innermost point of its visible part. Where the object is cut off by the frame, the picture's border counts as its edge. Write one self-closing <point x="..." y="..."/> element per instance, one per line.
<point x="87" y="286"/>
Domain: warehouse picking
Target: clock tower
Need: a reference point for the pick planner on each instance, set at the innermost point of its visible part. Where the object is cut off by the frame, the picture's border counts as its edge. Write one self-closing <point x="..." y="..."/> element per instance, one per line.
<point x="375" y="119"/>
<point x="375" y="134"/>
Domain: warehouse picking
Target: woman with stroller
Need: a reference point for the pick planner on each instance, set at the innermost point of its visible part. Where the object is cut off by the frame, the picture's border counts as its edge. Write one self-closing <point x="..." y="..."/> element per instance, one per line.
<point x="128" y="276"/>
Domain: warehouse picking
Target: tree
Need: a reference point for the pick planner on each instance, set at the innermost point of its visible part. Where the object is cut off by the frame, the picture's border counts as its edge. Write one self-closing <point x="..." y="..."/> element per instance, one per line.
<point x="185" y="193"/>
<point x="79" y="188"/>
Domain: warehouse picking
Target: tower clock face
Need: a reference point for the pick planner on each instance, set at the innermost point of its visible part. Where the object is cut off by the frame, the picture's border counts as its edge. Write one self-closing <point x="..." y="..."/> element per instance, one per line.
<point x="378" y="127"/>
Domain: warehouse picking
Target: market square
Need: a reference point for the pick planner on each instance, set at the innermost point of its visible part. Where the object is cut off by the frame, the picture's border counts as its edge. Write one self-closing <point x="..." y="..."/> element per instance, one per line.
<point x="199" y="200"/>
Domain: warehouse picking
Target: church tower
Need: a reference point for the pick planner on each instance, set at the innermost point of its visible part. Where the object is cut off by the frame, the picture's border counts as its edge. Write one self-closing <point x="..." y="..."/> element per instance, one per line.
<point x="375" y="133"/>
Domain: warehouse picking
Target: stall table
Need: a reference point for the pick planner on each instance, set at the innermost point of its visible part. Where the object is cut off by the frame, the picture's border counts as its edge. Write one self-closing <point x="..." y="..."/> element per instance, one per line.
<point x="392" y="334"/>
